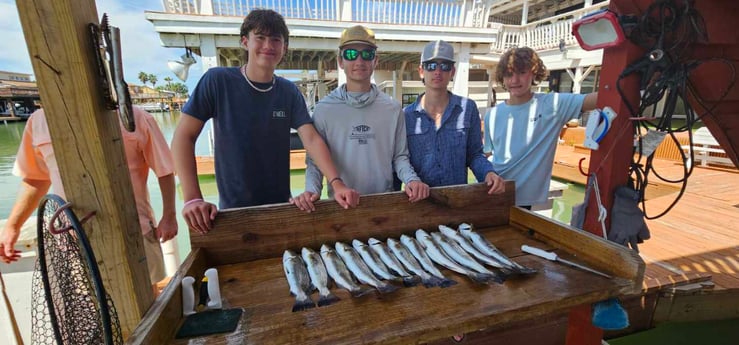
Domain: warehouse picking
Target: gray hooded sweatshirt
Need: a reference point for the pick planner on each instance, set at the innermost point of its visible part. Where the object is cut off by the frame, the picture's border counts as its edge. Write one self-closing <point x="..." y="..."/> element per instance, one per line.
<point x="365" y="132"/>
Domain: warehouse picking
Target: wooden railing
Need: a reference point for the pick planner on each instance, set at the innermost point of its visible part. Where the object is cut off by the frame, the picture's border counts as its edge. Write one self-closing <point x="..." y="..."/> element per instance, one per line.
<point x="542" y="34"/>
<point x="450" y="13"/>
<point x="539" y="35"/>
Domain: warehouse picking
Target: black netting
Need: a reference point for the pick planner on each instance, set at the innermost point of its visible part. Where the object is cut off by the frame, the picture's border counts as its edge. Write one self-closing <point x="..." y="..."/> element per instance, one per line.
<point x="67" y="289"/>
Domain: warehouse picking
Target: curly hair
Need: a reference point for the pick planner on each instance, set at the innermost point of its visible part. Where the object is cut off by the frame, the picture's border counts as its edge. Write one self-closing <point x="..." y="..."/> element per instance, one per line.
<point x="520" y="60"/>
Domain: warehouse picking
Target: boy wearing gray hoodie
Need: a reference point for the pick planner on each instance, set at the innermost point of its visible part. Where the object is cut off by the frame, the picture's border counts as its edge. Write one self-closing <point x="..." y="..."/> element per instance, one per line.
<point x="363" y="128"/>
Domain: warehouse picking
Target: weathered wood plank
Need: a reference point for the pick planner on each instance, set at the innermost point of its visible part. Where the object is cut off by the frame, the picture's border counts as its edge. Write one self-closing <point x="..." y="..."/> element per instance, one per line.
<point x="266" y="231"/>
<point x="88" y="148"/>
<point x="160" y="322"/>
<point x="714" y="305"/>
<point x="408" y="315"/>
<point x="593" y="251"/>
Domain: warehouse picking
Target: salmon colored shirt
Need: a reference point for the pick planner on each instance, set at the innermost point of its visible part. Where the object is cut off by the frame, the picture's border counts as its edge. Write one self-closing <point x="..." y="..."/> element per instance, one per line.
<point x="145" y="148"/>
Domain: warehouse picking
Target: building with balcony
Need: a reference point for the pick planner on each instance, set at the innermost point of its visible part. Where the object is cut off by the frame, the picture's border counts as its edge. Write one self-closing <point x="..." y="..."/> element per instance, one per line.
<point x="480" y="31"/>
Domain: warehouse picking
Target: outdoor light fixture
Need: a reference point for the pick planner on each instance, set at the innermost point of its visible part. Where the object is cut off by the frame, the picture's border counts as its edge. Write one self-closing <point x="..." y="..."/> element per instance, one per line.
<point x="597" y="30"/>
<point x="180" y="68"/>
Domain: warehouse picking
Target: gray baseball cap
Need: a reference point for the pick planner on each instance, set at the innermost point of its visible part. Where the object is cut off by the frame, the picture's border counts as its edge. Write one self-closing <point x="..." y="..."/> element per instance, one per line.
<point x="438" y="50"/>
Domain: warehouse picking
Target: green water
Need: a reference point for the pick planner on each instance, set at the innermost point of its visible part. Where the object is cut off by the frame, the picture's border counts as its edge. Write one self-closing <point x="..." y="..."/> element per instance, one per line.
<point x="10" y="136"/>
<point x="721" y="332"/>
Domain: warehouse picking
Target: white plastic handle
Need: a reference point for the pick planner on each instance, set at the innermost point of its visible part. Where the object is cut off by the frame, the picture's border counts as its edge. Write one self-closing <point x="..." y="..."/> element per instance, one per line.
<point x="214" y="289"/>
<point x="188" y="296"/>
<point x="539" y="252"/>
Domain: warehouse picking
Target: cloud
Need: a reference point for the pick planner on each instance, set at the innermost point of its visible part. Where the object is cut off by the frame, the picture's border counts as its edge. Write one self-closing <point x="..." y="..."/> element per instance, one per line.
<point x="141" y="48"/>
<point x="13" y="56"/>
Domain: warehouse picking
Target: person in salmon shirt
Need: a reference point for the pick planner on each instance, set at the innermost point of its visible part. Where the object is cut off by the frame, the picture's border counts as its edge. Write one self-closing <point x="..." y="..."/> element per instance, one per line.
<point x="146" y="149"/>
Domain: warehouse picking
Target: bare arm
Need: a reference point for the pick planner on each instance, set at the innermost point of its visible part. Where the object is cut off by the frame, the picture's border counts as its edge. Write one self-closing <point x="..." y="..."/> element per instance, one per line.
<point x="318" y="151"/>
<point x="29" y="195"/>
<point x="167" y="227"/>
<point x="590" y="101"/>
<point x="183" y="151"/>
<point x="199" y="215"/>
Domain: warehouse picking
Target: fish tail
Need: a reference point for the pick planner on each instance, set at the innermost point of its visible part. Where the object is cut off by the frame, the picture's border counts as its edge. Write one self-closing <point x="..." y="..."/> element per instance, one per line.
<point x="361" y="291"/>
<point x="498" y="277"/>
<point x="328" y="299"/>
<point x="431" y="281"/>
<point x="482" y="278"/>
<point x="446" y="282"/>
<point x="386" y="288"/>
<point x="303" y="304"/>
<point x="520" y="269"/>
<point x="508" y="271"/>
<point x="411" y="281"/>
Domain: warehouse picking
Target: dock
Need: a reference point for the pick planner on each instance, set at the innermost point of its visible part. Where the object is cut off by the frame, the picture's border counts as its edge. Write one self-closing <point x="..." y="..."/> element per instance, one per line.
<point x="206" y="164"/>
<point x="691" y="257"/>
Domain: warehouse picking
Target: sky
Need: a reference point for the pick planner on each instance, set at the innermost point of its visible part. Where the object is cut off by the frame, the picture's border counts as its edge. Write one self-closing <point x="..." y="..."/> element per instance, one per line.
<point x="141" y="48"/>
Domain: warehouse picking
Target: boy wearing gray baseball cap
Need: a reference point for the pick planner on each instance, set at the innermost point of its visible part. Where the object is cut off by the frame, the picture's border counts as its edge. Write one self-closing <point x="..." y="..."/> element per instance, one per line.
<point x="443" y="129"/>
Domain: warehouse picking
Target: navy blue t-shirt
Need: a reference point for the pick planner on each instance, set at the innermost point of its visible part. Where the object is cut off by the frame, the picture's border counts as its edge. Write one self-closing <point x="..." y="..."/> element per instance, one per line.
<point x="252" y="134"/>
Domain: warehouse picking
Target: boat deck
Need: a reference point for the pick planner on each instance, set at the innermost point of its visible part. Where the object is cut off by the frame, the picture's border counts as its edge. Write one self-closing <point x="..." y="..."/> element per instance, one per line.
<point x="698" y="238"/>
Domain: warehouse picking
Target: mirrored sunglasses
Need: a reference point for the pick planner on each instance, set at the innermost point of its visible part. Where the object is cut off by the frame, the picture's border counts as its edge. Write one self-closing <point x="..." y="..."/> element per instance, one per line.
<point x="352" y="54"/>
<point x="433" y="65"/>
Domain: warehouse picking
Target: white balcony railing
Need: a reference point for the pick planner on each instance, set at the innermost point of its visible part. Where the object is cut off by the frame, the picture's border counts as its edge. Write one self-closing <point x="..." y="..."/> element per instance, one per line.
<point x="543" y="34"/>
<point x="539" y="35"/>
<point x="451" y="13"/>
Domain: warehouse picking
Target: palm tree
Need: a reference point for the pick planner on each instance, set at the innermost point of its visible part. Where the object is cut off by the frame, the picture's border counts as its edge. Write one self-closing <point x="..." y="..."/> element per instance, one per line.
<point x="153" y="80"/>
<point x="143" y="77"/>
<point x="168" y="80"/>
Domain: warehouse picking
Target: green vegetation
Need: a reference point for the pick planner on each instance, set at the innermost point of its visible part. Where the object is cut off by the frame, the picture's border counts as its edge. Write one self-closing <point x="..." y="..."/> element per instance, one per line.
<point x="176" y="87"/>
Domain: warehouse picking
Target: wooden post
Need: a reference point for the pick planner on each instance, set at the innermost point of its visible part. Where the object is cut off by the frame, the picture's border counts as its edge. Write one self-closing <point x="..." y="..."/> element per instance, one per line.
<point x="88" y="147"/>
<point x="6" y="310"/>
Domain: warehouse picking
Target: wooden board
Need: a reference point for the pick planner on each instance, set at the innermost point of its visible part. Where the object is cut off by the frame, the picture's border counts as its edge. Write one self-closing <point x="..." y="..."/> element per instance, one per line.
<point x="246" y="247"/>
<point x="266" y="231"/>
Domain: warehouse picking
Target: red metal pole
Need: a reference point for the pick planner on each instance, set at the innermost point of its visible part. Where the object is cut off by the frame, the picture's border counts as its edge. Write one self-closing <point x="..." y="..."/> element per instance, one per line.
<point x="611" y="161"/>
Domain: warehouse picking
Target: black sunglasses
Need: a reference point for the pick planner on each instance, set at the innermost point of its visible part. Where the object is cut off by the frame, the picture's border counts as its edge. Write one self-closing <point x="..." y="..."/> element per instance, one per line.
<point x="352" y="54"/>
<point x="433" y="65"/>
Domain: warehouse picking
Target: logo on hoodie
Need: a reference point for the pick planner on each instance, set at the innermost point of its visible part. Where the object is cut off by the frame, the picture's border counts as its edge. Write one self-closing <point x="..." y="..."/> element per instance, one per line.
<point x="361" y="133"/>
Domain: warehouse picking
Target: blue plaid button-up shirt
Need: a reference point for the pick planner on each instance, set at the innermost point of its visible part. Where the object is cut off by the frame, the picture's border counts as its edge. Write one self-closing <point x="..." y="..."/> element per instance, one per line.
<point x="441" y="156"/>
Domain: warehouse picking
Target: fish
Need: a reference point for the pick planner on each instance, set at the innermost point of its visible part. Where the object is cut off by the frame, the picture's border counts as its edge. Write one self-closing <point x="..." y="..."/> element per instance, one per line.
<point x="375" y="263"/>
<point x="392" y="263"/>
<point x="340" y="274"/>
<point x="318" y="277"/>
<point x="484" y="246"/>
<point x="298" y="280"/>
<point x="471" y="249"/>
<point x="360" y="269"/>
<point x="405" y="256"/>
<point x="419" y="253"/>
<point x="437" y="255"/>
<point x="456" y="253"/>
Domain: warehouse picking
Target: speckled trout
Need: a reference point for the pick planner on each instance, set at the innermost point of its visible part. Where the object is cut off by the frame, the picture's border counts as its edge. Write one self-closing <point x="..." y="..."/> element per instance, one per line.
<point x="298" y="280"/>
<point x="318" y="276"/>
<point x="340" y="274"/>
<point x="482" y="244"/>
<point x="360" y="269"/>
